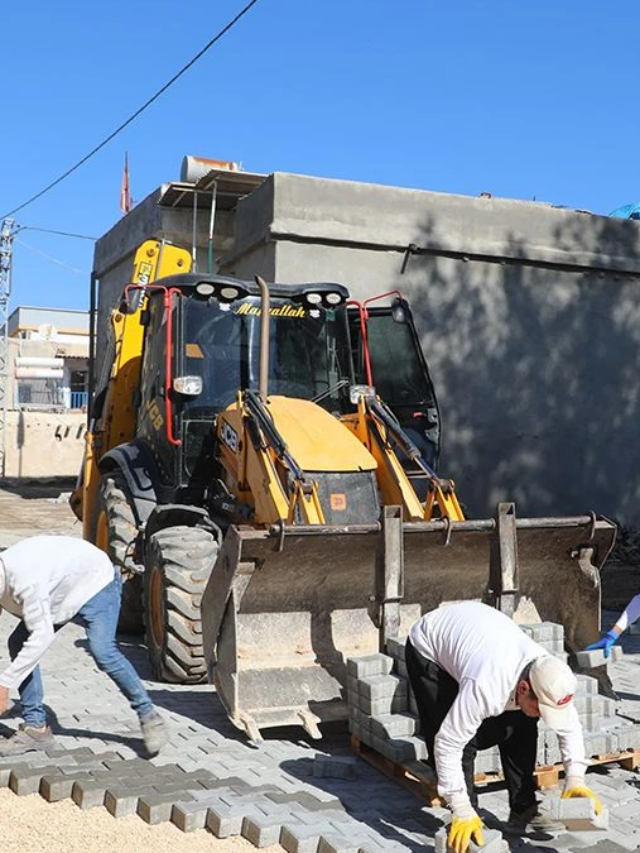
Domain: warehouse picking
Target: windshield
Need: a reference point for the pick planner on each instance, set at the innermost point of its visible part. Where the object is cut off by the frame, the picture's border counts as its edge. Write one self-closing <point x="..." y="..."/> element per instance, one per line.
<point x="308" y="351"/>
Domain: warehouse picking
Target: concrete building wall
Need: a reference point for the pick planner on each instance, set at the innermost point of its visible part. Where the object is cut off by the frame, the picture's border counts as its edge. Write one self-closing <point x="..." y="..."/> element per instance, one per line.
<point x="528" y="315"/>
<point x="44" y="444"/>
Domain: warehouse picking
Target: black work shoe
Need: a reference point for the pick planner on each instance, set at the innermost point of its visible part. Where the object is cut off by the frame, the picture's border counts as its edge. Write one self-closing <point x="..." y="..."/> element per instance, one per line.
<point x="532" y="820"/>
<point x="27" y="739"/>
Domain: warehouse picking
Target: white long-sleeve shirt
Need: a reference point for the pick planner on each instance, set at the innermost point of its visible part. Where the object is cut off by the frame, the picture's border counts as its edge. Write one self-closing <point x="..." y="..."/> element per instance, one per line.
<point x="630" y="614"/>
<point x="486" y="653"/>
<point x="45" y="580"/>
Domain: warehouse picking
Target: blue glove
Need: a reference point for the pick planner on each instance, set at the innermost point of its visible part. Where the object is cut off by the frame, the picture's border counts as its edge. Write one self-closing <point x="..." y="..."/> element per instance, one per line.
<point x="604" y="643"/>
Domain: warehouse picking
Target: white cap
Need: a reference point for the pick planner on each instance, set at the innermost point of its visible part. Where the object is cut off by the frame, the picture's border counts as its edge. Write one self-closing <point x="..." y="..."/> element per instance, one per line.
<point x="554" y="686"/>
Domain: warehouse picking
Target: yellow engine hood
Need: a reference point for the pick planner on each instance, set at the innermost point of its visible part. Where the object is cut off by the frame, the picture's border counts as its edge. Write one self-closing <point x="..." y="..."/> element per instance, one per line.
<point x="316" y="439"/>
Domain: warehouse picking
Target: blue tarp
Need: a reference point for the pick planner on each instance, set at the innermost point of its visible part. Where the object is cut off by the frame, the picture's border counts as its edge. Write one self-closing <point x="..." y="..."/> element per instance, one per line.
<point x="627" y="211"/>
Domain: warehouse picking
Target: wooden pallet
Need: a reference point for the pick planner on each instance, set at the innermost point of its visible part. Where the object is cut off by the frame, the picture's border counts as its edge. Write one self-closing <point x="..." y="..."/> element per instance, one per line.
<point x="424" y="787"/>
<point x="549" y="776"/>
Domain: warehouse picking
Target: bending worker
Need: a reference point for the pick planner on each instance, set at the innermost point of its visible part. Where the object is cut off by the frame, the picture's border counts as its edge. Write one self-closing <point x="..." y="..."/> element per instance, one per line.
<point x="46" y="581"/>
<point x="479" y="681"/>
<point x="628" y="616"/>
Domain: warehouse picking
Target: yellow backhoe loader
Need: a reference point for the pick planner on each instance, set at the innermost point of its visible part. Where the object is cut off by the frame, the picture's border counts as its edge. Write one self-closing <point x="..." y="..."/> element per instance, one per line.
<point x="272" y="514"/>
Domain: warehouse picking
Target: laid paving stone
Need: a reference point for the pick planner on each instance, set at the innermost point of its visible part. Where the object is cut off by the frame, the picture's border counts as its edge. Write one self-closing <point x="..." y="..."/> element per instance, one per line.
<point x="121" y="802"/>
<point x="190" y="816"/>
<point x="224" y="820"/>
<point x="300" y="838"/>
<point x="334" y="767"/>
<point x="88" y="794"/>
<point x="262" y="830"/>
<point x="157" y="808"/>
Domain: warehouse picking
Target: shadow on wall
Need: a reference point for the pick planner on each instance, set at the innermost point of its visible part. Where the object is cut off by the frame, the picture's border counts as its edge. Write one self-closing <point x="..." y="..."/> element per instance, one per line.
<point x="538" y="374"/>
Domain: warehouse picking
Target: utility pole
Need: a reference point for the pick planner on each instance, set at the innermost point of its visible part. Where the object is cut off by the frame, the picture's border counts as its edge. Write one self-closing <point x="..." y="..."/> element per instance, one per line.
<point x="6" y="241"/>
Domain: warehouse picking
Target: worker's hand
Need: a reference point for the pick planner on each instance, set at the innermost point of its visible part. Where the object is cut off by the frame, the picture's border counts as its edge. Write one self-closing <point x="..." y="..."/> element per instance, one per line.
<point x="465" y="825"/>
<point x="574" y="787"/>
<point x="604" y="643"/>
<point x="4" y="699"/>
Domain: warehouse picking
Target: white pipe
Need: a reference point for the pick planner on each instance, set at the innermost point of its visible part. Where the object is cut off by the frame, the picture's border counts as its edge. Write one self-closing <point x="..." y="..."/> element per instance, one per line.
<point x="39" y="373"/>
<point x="38" y="361"/>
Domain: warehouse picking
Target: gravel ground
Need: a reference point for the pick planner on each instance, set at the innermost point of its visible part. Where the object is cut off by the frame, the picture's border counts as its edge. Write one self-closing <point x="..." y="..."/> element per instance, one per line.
<point x="31" y="825"/>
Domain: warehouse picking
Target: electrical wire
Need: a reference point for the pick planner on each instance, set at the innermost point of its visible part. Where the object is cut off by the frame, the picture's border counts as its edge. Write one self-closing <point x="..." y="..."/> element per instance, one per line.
<point x="51" y="231"/>
<point x="50" y="257"/>
<point x="135" y="115"/>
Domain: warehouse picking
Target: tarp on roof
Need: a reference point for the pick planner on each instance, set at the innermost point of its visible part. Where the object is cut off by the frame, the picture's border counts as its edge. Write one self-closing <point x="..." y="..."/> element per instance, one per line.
<point x="627" y="211"/>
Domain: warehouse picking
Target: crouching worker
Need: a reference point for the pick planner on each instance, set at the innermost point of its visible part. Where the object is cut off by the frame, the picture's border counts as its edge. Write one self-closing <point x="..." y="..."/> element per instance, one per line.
<point x="46" y="581"/>
<point x="479" y="681"/>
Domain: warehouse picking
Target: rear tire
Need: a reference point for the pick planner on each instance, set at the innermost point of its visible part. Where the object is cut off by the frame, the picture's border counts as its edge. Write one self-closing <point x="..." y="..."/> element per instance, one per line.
<point x="116" y="533"/>
<point x="178" y="563"/>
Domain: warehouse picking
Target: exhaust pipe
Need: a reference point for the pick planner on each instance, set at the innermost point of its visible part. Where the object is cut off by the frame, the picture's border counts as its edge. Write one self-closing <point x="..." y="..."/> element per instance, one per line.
<point x="263" y="386"/>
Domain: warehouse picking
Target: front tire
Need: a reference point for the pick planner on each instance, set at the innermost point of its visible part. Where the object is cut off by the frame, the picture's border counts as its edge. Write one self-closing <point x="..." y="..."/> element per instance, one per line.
<point x="116" y="533"/>
<point x="178" y="563"/>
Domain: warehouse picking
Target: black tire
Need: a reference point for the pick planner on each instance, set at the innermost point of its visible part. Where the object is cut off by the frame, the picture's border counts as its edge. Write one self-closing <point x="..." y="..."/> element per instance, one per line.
<point x="178" y="563"/>
<point x="116" y="532"/>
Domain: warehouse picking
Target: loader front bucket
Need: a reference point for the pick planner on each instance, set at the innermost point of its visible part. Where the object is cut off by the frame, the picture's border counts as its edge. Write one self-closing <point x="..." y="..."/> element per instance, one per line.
<point x="282" y="611"/>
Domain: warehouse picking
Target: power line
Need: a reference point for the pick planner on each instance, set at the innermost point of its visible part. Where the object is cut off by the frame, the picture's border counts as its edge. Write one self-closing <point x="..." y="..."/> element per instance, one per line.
<point x="50" y="257"/>
<point x="51" y="231"/>
<point x="135" y="115"/>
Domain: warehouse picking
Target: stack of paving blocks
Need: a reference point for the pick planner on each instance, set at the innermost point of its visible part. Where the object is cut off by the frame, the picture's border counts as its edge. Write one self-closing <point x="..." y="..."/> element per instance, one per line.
<point x="384" y="716"/>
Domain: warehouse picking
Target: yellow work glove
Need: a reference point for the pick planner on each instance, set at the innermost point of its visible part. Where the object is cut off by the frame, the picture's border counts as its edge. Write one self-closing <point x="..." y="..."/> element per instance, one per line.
<point x="465" y="825"/>
<point x="574" y="787"/>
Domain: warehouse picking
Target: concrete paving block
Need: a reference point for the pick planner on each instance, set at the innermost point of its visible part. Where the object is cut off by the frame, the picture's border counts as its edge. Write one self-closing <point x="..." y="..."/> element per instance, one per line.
<point x="23" y="781"/>
<point x="121" y="802"/>
<point x="487" y="761"/>
<point x="368" y="665"/>
<point x="334" y="767"/>
<point x="189" y="816"/>
<point x="299" y="838"/>
<point x="399" y="750"/>
<point x="418" y="748"/>
<point x="595" y="743"/>
<point x="589" y="660"/>
<point x="385" y="705"/>
<point x="586" y="684"/>
<point x="629" y="737"/>
<point x="89" y="793"/>
<point x="394" y="725"/>
<point x="56" y="787"/>
<point x="224" y="821"/>
<point x="156" y="808"/>
<point x="380" y="686"/>
<point x="578" y="814"/>
<point x="338" y="844"/>
<point x="353" y="688"/>
<point x="396" y="646"/>
<point x="493" y="842"/>
<point x="262" y="831"/>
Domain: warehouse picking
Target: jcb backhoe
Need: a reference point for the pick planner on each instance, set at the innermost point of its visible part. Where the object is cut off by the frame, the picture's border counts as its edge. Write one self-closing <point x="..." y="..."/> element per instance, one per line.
<point x="280" y="515"/>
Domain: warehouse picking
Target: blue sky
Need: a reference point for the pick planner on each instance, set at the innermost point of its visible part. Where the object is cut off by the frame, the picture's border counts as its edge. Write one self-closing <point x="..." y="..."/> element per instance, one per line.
<point x="520" y="100"/>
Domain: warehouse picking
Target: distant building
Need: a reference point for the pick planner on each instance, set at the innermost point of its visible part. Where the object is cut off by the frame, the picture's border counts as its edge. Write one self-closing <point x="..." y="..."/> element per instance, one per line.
<point x="49" y="358"/>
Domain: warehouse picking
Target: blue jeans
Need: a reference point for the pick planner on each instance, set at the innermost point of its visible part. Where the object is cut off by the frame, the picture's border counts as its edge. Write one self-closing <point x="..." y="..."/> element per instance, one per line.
<point x="100" y="617"/>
